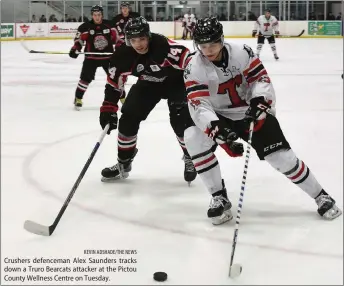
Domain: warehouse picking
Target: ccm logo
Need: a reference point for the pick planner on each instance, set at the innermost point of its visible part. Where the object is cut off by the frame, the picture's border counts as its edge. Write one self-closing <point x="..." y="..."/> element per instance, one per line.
<point x="272" y="146"/>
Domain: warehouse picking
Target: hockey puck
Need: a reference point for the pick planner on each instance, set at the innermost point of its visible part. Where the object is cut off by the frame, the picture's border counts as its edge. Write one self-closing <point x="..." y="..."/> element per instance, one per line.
<point x="160" y="276"/>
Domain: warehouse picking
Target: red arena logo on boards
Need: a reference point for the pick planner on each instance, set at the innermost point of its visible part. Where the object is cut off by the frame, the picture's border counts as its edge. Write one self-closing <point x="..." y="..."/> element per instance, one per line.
<point x="54" y="28"/>
<point x="24" y="28"/>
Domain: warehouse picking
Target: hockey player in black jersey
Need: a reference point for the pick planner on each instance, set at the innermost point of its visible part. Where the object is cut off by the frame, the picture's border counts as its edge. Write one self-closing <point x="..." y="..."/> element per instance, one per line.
<point x="159" y="64"/>
<point x="122" y="19"/>
<point x="98" y="36"/>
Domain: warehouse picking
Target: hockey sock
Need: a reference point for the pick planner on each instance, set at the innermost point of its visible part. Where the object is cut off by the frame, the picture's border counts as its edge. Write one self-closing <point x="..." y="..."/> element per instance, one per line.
<point x="182" y="143"/>
<point x="273" y="48"/>
<point x="208" y="169"/>
<point x="286" y="162"/>
<point x="126" y="146"/>
<point x="81" y="89"/>
<point x="259" y="49"/>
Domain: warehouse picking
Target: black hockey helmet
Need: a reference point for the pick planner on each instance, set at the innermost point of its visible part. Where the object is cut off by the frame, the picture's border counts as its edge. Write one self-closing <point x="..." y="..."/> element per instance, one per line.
<point x="267" y="10"/>
<point x="97" y="8"/>
<point x="135" y="28"/>
<point x="208" y="30"/>
<point x="125" y="4"/>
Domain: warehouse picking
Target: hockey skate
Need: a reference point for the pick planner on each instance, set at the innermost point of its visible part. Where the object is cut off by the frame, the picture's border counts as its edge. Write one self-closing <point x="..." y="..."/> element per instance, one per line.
<point x="327" y="207"/>
<point x="189" y="170"/>
<point x="276" y="57"/>
<point x="119" y="171"/>
<point x="77" y="103"/>
<point x="220" y="208"/>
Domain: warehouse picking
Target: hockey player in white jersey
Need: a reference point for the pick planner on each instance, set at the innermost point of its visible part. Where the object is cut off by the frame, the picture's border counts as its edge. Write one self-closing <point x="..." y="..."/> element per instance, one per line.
<point x="228" y="87"/>
<point x="267" y="27"/>
<point x="189" y="22"/>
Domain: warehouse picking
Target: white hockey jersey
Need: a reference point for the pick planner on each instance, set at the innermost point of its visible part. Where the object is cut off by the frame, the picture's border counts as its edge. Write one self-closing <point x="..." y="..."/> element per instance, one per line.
<point x="226" y="91"/>
<point x="266" y="26"/>
<point x="189" y="20"/>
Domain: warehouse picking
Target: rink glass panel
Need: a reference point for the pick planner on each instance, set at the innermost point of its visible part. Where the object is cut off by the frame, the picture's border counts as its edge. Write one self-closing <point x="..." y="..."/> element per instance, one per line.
<point x="64" y="10"/>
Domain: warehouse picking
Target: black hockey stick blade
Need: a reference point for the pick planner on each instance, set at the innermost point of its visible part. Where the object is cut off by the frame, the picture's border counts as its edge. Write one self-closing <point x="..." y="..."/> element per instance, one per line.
<point x="37" y="228"/>
<point x="292" y="36"/>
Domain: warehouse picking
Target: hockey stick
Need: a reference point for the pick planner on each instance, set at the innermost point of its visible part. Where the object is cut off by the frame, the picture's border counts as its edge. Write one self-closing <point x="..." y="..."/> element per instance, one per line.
<point x="235" y="269"/>
<point x="285" y="36"/>
<point x="39" y="229"/>
<point x="60" y="53"/>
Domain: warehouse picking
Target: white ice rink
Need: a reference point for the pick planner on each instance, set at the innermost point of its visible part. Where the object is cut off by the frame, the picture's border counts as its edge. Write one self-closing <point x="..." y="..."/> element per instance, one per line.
<point x="45" y="144"/>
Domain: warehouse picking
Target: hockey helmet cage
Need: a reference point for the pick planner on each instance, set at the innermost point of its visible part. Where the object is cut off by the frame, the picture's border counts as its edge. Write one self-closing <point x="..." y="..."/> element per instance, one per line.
<point x="125" y="4"/>
<point x="135" y="28"/>
<point x="96" y="8"/>
<point x="208" y="30"/>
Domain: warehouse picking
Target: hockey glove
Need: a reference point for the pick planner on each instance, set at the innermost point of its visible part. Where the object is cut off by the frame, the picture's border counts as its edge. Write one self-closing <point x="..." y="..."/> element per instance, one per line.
<point x="258" y="106"/>
<point x="233" y="149"/>
<point x="220" y="132"/>
<point x="72" y="52"/>
<point x="224" y="136"/>
<point x="108" y="115"/>
<point x="254" y="33"/>
<point x="277" y="33"/>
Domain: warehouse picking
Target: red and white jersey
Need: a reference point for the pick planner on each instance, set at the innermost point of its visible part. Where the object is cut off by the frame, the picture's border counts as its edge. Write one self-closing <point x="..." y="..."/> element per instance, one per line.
<point x="189" y="20"/>
<point x="225" y="90"/>
<point x="266" y="26"/>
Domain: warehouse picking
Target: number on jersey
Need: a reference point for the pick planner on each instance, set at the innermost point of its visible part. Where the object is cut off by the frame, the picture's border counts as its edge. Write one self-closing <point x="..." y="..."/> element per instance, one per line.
<point x="230" y="87"/>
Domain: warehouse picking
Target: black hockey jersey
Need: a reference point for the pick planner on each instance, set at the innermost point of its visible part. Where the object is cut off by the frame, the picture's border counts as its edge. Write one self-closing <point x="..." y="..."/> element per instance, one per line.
<point x="164" y="63"/>
<point x="98" y="38"/>
<point x="120" y="21"/>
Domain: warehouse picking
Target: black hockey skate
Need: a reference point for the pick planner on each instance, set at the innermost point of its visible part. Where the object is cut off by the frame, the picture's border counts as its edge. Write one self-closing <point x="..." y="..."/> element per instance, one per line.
<point x="119" y="171"/>
<point x="189" y="170"/>
<point x="327" y="207"/>
<point x="276" y="57"/>
<point x="77" y="103"/>
<point x="220" y="207"/>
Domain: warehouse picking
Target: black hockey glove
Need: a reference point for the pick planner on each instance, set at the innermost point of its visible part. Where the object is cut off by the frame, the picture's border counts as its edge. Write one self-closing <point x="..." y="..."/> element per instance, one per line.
<point x="72" y="53"/>
<point x="224" y="136"/>
<point x="108" y="115"/>
<point x="254" y="33"/>
<point x="258" y="105"/>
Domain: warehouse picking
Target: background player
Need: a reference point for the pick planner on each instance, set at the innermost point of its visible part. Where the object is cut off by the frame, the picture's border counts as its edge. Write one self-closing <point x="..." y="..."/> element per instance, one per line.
<point x="228" y="87"/>
<point x="98" y="35"/>
<point x="189" y="22"/>
<point x="121" y="19"/>
<point x="267" y="26"/>
<point x="159" y="64"/>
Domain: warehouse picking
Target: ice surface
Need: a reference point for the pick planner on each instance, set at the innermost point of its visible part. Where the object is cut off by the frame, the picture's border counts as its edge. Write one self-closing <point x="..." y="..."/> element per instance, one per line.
<point x="45" y="144"/>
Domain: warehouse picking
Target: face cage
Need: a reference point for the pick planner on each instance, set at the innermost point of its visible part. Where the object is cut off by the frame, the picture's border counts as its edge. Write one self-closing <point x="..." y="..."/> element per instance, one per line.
<point x="220" y="40"/>
<point x="144" y="34"/>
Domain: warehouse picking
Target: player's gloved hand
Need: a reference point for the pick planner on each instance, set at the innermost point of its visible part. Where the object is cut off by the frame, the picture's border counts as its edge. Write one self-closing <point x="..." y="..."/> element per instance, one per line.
<point x="224" y="136"/>
<point x="233" y="149"/>
<point x="72" y="52"/>
<point x="254" y="33"/>
<point x="108" y="115"/>
<point x="277" y="33"/>
<point x="258" y="106"/>
<point x="220" y="132"/>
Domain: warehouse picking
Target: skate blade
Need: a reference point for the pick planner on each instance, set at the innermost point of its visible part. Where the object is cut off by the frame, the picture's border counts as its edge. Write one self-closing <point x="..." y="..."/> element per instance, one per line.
<point x="77" y="108"/>
<point x="226" y="216"/>
<point x="333" y="213"/>
<point x="109" y="180"/>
